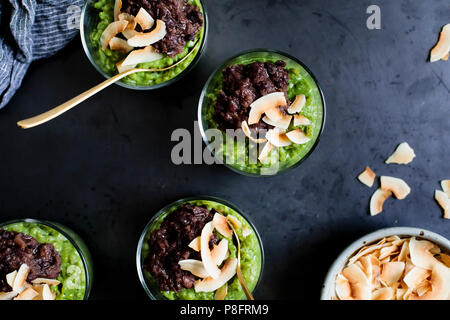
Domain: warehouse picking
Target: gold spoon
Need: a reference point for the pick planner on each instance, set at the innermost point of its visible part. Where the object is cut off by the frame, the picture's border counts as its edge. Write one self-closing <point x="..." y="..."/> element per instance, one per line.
<point x="55" y="112"/>
<point x="238" y="269"/>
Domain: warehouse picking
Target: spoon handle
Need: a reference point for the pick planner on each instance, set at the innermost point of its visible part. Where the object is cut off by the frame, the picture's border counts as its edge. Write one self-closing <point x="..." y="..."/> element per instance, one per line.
<point x="55" y="112"/>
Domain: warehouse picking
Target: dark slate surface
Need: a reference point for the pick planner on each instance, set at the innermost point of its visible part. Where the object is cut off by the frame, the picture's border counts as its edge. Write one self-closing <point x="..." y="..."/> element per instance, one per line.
<point x="104" y="168"/>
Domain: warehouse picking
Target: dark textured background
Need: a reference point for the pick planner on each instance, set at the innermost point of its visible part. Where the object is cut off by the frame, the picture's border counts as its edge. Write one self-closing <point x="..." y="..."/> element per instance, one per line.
<point x="104" y="168"/>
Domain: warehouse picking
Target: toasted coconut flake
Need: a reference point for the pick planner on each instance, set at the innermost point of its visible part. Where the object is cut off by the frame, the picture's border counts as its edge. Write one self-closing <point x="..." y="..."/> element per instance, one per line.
<point x="121" y="68"/>
<point x="265" y="152"/>
<point x="248" y="133"/>
<point x="387" y="251"/>
<point x="404" y="154"/>
<point x="51" y="282"/>
<point x="398" y="186"/>
<point x="415" y="277"/>
<point x="10" y="277"/>
<point x="275" y="114"/>
<point x="7" y="295"/>
<point x="377" y="201"/>
<point x="221" y="293"/>
<point x="27" y="294"/>
<point x="300" y="120"/>
<point x="442" y="47"/>
<point x="207" y="259"/>
<point x="220" y="222"/>
<point x="445" y="58"/>
<point x="363" y="252"/>
<point x="367" y="177"/>
<point x="110" y="32"/>
<point x="119" y="45"/>
<point x="278" y="137"/>
<point x="147" y="54"/>
<point x="391" y="272"/>
<point x="117" y="8"/>
<point x="404" y="251"/>
<point x="47" y="294"/>
<point x="383" y="294"/>
<point x="423" y="288"/>
<point x="367" y="267"/>
<point x="444" y="201"/>
<point x="261" y="105"/>
<point x="129" y="33"/>
<point x="343" y="289"/>
<point x="234" y="222"/>
<point x="226" y="274"/>
<point x="399" y="293"/>
<point x="143" y="39"/>
<point x="21" y="277"/>
<point x="246" y="231"/>
<point x="359" y="283"/>
<point x="419" y="251"/>
<point x="220" y="251"/>
<point x="131" y="23"/>
<point x="445" y="258"/>
<point x="144" y="19"/>
<point x="195" y="244"/>
<point x="446" y="187"/>
<point x="298" y="104"/>
<point x="194" y="266"/>
<point x="282" y="123"/>
<point x="297" y="136"/>
<point x="440" y="285"/>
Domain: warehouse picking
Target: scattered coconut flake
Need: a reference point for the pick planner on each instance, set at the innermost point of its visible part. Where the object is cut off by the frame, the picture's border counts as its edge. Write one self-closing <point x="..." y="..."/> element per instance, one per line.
<point x="129" y="33"/>
<point x="121" y="68"/>
<point x="298" y="104"/>
<point x="300" y="120"/>
<point x="194" y="266"/>
<point x="343" y="289"/>
<point x="143" y="39"/>
<point x="275" y="114"/>
<point x="10" y="277"/>
<point x="221" y="293"/>
<point x="387" y="251"/>
<point x="248" y="133"/>
<point x="367" y="177"/>
<point x="234" y="222"/>
<point x="111" y="31"/>
<point x="445" y="184"/>
<point x="266" y="102"/>
<point x="278" y="137"/>
<point x="358" y="281"/>
<point x="442" y="47"/>
<point x="195" y="244"/>
<point x="221" y="224"/>
<point x="297" y="136"/>
<point x="440" y="285"/>
<point x="21" y="277"/>
<point x="444" y="201"/>
<point x="120" y="45"/>
<point x="131" y="23"/>
<point x="47" y="294"/>
<point x="219" y="252"/>
<point x="415" y="277"/>
<point x="147" y="54"/>
<point x="208" y="261"/>
<point x="246" y="231"/>
<point x="421" y="256"/>
<point x="404" y="154"/>
<point x="445" y="58"/>
<point x="283" y="123"/>
<point x="397" y="186"/>
<point x="383" y="294"/>
<point x="7" y="295"/>
<point x="117" y="8"/>
<point x="265" y="152"/>
<point x="226" y="274"/>
<point x="377" y="201"/>
<point x="27" y="294"/>
<point x="51" y="282"/>
<point x="391" y="272"/>
<point x="144" y="19"/>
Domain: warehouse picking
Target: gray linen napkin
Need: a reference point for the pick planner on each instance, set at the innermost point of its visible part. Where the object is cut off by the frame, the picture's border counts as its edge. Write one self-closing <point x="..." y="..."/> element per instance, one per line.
<point x="30" y="30"/>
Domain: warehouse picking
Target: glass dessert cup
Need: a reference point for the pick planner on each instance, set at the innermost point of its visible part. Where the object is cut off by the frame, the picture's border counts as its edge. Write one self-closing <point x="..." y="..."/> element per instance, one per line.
<point x="88" y="24"/>
<point x="244" y="156"/>
<point x="149" y="283"/>
<point x="69" y="235"/>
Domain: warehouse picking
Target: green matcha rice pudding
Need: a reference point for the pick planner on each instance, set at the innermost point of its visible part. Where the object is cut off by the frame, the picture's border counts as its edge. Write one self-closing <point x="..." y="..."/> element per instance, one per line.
<point x="188" y="252"/>
<point x="50" y="255"/>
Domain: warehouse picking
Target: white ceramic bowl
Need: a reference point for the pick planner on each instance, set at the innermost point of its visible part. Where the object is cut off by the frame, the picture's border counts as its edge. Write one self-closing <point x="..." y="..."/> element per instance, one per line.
<point x="328" y="289"/>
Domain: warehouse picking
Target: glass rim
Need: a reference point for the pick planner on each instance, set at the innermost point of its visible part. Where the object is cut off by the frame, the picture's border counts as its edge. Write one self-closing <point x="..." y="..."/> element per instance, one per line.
<point x="160" y="212"/>
<point x="178" y="77"/>
<point x="221" y="66"/>
<point x="54" y="225"/>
